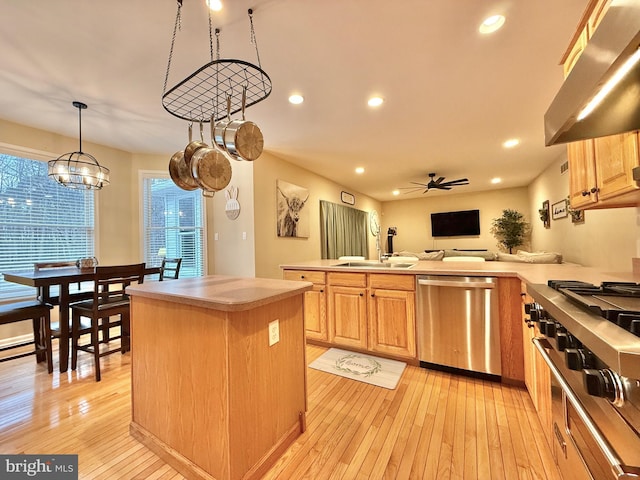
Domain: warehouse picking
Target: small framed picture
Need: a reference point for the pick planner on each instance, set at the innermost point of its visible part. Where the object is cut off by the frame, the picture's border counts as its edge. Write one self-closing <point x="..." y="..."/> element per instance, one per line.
<point x="559" y="209"/>
<point x="347" y="198"/>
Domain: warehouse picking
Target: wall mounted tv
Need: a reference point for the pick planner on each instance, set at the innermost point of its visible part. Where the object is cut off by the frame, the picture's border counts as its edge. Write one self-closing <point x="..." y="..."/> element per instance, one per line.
<point x="455" y="224"/>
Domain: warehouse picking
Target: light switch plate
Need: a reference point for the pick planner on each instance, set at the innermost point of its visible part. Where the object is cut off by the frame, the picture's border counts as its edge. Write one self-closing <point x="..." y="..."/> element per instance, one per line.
<point x="274" y="332"/>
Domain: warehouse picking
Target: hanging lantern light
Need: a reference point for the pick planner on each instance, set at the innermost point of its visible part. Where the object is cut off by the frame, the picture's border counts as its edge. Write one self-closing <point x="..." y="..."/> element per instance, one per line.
<point x="79" y="169"/>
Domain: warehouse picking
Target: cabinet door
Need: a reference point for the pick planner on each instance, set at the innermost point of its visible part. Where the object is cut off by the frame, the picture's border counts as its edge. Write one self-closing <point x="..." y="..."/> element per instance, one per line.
<point x="528" y="349"/>
<point x="315" y="313"/>
<point x="582" y="174"/>
<point x="616" y="156"/>
<point x="392" y="326"/>
<point x="543" y="393"/>
<point x="348" y="316"/>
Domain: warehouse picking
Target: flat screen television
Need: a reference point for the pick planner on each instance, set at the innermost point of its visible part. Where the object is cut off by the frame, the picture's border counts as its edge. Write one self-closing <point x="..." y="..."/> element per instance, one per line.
<point x="455" y="224"/>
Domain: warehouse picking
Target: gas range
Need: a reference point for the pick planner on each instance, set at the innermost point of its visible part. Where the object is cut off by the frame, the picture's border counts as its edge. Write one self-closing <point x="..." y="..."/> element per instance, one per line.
<point x="590" y="340"/>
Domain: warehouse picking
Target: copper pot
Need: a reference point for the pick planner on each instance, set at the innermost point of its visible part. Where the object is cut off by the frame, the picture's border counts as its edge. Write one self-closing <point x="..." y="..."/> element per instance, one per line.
<point x="193" y="146"/>
<point x="211" y="168"/>
<point x="243" y="139"/>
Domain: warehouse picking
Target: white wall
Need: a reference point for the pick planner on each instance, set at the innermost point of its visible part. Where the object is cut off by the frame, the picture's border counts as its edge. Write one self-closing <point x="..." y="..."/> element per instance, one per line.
<point x="607" y="239"/>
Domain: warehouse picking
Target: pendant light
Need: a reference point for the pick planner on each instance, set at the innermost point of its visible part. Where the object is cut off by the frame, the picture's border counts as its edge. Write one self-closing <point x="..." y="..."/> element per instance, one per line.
<point x="79" y="169"/>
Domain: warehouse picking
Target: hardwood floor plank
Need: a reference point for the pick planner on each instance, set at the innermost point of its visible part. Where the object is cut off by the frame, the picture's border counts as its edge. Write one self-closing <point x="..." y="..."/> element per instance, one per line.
<point x="434" y="425"/>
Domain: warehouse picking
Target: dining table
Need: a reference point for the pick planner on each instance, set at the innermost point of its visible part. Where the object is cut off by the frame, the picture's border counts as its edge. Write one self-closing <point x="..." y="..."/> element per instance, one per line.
<point x="44" y="279"/>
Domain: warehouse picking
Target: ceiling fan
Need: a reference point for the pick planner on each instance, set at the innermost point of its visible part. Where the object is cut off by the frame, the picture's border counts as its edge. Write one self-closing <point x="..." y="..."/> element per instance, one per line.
<point x="438" y="184"/>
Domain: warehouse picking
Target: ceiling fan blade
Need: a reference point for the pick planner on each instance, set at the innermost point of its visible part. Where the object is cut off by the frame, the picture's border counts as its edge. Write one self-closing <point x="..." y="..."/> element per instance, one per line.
<point x="439" y="180"/>
<point x="418" y="183"/>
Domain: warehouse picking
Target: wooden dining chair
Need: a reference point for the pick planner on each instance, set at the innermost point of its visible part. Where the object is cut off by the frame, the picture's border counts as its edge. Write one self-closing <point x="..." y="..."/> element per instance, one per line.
<point x="109" y="300"/>
<point x="170" y="268"/>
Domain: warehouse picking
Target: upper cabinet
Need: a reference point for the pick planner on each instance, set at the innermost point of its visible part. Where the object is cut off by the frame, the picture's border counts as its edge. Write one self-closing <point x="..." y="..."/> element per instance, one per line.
<point x="600" y="170"/>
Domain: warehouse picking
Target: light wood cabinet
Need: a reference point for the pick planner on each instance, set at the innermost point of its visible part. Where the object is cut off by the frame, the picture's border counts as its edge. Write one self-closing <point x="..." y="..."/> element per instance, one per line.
<point x="347" y="308"/>
<point x="392" y="312"/>
<point x="315" y="302"/>
<point x="372" y="312"/>
<point x="537" y="376"/>
<point x="600" y="170"/>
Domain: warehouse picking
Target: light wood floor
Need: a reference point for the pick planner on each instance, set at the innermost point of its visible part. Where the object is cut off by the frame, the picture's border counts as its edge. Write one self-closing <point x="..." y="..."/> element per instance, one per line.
<point x="433" y="426"/>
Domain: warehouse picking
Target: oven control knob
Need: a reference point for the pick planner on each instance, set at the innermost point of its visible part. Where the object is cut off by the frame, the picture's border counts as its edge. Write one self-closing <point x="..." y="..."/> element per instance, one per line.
<point x="548" y="328"/>
<point x="604" y="383"/>
<point x="562" y="338"/>
<point x="577" y="358"/>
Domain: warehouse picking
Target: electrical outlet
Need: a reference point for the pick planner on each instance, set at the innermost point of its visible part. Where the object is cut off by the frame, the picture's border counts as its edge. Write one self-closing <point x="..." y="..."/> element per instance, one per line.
<point x="216" y="236"/>
<point x="274" y="332"/>
<point x="244" y="235"/>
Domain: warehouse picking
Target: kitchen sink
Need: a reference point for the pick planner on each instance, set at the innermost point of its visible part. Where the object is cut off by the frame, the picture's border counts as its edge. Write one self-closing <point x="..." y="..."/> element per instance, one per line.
<point x="374" y="264"/>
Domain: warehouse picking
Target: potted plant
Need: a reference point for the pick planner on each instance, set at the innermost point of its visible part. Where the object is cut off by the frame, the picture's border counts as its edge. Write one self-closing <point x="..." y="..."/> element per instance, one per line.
<point x="510" y="229"/>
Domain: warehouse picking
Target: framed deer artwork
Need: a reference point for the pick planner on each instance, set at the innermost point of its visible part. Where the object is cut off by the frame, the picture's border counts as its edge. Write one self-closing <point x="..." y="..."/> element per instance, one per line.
<point x="292" y="216"/>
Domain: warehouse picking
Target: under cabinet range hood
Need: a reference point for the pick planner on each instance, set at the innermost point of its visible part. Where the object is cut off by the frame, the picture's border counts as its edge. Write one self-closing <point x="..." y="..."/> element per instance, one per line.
<point x="615" y="42"/>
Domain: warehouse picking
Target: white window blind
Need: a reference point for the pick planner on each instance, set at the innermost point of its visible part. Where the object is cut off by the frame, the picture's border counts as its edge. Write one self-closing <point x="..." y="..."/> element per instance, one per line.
<point x="40" y="221"/>
<point x="173" y="223"/>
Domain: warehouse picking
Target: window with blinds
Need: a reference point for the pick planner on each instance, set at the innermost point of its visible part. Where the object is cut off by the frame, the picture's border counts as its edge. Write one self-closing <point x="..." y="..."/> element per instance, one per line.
<point x="40" y="221"/>
<point x="173" y="223"/>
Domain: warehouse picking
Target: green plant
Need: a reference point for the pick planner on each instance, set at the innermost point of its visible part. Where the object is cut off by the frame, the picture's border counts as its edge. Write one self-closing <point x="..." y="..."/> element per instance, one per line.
<point x="510" y="229"/>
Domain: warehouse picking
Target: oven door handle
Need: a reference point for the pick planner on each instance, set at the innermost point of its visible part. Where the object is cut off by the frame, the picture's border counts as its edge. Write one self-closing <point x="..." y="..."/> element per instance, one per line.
<point x="620" y="470"/>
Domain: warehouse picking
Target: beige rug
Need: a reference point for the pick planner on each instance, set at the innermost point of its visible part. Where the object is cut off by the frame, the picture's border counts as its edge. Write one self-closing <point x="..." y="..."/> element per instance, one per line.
<point x="358" y="366"/>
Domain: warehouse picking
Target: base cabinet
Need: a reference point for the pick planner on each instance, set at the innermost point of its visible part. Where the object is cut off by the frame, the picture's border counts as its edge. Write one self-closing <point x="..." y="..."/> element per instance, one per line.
<point x="537" y="376"/>
<point x="372" y="312"/>
<point x="315" y="302"/>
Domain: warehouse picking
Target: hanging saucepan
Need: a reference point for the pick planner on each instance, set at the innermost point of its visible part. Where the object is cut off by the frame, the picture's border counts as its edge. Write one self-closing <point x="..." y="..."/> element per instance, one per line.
<point x="179" y="170"/>
<point x="218" y="131"/>
<point x="193" y="146"/>
<point x="211" y="168"/>
<point x="242" y="138"/>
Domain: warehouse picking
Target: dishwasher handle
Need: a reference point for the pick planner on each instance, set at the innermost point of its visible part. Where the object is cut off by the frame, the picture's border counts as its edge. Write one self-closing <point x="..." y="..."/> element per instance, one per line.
<point x="457" y="283"/>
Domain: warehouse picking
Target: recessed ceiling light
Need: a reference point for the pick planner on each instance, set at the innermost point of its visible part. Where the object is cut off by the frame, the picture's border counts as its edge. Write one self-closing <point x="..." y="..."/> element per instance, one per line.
<point x="512" y="142"/>
<point x="396" y="192"/>
<point x="296" y="99"/>
<point x="496" y="180"/>
<point x="215" y="5"/>
<point x="491" y="24"/>
<point x="360" y="170"/>
<point x="375" y="101"/>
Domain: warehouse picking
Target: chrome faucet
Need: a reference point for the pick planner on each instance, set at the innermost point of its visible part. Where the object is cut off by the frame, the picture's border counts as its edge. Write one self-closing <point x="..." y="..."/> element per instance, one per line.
<point x="381" y="256"/>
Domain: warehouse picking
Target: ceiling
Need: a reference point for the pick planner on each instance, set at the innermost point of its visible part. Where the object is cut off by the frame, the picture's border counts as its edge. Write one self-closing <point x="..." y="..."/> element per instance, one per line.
<point x="452" y="95"/>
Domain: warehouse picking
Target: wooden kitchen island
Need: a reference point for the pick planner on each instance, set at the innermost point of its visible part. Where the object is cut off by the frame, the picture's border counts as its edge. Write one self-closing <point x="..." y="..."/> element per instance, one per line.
<point x="210" y="395"/>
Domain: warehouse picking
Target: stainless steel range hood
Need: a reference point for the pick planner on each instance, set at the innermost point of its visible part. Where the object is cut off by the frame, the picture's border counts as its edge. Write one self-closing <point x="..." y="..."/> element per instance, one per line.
<point x="615" y="40"/>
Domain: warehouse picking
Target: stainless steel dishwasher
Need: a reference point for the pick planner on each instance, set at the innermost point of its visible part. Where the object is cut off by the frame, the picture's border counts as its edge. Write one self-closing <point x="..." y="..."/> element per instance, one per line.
<point x="457" y="321"/>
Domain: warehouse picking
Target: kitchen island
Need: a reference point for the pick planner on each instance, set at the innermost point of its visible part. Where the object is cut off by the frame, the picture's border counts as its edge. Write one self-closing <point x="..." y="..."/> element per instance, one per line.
<point x="218" y="372"/>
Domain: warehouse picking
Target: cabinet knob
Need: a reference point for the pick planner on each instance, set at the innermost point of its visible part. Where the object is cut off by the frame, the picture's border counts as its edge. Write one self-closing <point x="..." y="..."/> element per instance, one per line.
<point x="585" y="193"/>
<point x="361" y="294"/>
<point x="322" y="290"/>
<point x="301" y="276"/>
<point x="373" y="294"/>
<point x="595" y="189"/>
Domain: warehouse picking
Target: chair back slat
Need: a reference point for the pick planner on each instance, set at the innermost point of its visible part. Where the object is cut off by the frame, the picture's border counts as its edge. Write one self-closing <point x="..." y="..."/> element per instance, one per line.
<point x="111" y="282"/>
<point x="170" y="268"/>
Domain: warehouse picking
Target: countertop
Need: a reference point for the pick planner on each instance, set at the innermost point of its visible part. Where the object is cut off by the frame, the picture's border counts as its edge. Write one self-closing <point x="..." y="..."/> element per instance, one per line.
<point x="528" y="272"/>
<point x="219" y="292"/>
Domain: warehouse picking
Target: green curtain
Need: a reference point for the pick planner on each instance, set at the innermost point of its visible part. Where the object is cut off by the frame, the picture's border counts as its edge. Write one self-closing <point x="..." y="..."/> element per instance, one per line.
<point x="343" y="230"/>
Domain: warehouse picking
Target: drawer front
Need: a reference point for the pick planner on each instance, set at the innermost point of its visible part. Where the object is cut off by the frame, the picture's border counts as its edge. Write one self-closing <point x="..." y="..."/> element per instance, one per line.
<point x="312" y="276"/>
<point x="347" y="279"/>
<point x="390" y="281"/>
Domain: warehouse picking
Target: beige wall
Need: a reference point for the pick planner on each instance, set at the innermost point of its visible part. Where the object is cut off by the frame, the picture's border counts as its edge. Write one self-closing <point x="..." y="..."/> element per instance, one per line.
<point x="271" y="251"/>
<point x="607" y="239"/>
<point x="413" y="218"/>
